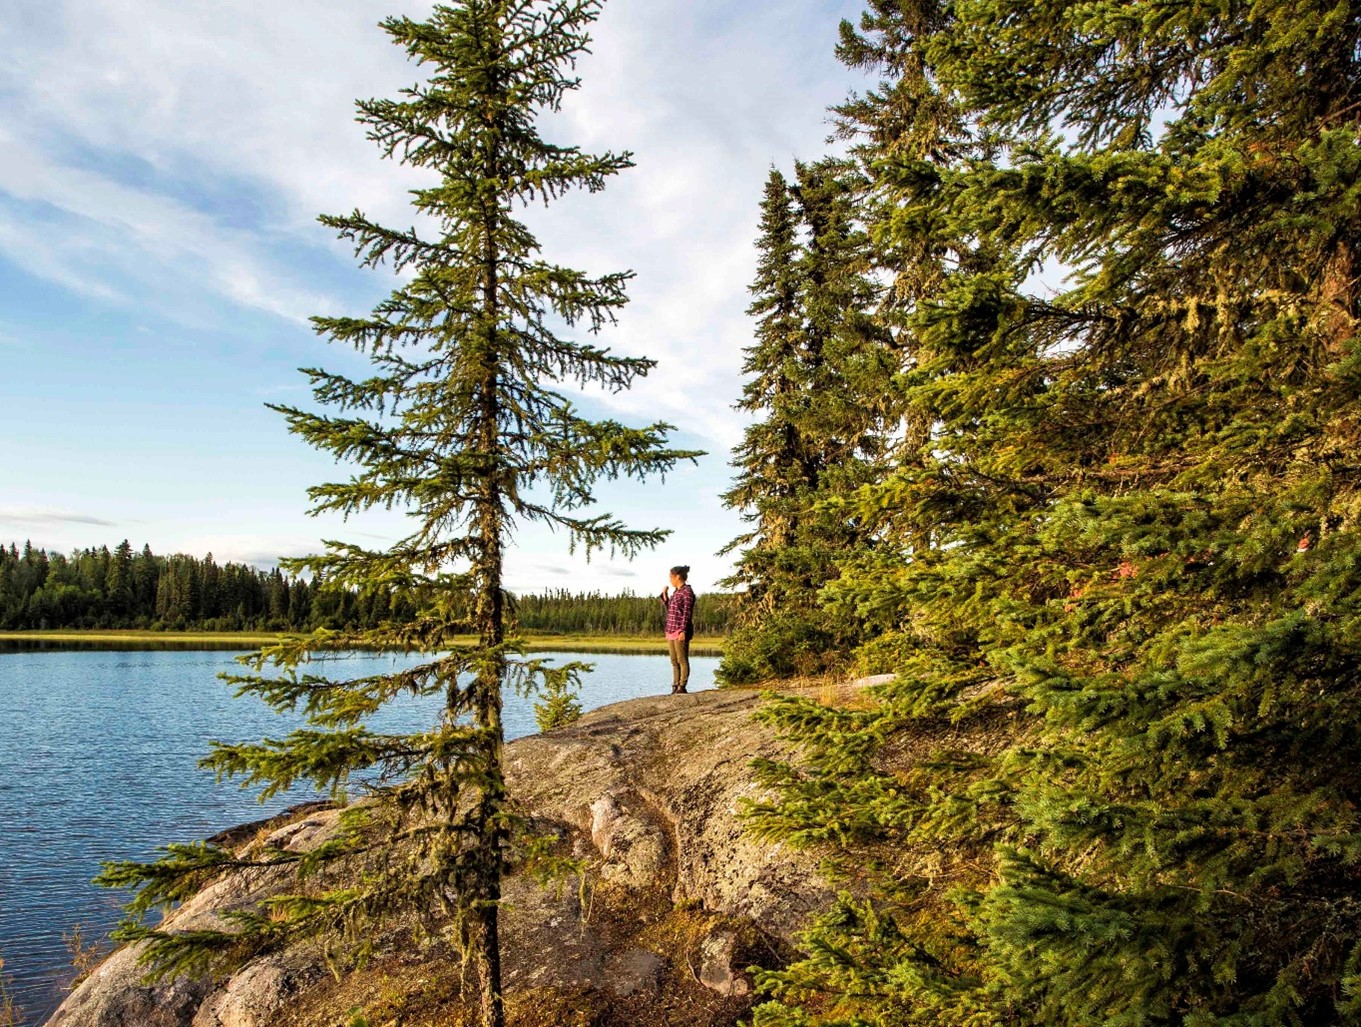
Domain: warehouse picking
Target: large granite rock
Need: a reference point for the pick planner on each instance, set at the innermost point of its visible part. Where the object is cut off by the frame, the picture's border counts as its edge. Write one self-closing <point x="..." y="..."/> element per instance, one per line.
<point x="678" y="903"/>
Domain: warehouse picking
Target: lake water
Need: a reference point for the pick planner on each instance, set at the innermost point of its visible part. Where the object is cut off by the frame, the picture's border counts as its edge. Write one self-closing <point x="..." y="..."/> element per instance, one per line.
<point x="98" y="754"/>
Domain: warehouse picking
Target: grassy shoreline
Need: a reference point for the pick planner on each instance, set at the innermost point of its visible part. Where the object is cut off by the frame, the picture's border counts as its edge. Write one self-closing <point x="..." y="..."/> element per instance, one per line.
<point x="701" y="646"/>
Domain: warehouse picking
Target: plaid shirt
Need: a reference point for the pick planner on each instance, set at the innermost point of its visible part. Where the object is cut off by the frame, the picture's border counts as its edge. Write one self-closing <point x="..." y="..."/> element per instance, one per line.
<point x="679" y="609"/>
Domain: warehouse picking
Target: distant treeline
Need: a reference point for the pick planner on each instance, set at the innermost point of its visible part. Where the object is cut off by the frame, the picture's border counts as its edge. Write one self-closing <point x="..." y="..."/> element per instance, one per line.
<point x="99" y="588"/>
<point x="122" y="588"/>
<point x="593" y="613"/>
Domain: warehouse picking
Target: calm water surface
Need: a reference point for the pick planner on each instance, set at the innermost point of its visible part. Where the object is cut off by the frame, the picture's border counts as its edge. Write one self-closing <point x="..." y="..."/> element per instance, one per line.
<point x="98" y="755"/>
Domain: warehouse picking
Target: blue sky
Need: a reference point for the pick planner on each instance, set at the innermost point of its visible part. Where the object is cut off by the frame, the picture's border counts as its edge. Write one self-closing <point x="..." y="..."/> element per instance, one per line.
<point x="161" y="168"/>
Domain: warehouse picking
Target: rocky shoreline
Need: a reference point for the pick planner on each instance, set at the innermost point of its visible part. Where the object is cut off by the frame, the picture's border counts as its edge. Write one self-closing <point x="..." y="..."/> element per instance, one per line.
<point x="679" y="900"/>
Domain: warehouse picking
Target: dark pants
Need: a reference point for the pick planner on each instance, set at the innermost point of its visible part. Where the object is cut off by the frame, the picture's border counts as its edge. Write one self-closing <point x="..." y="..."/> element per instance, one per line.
<point x="680" y="663"/>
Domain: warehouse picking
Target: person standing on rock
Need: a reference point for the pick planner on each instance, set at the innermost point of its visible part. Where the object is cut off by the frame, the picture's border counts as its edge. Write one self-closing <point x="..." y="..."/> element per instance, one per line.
<point x="679" y="601"/>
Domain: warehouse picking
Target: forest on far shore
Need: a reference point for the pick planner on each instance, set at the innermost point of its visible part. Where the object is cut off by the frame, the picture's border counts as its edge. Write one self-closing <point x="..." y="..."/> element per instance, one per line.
<point x="122" y="588"/>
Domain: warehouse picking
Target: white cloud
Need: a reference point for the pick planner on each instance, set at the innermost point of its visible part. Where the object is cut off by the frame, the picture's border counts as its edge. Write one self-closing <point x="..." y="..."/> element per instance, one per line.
<point x="255" y="550"/>
<point x="172" y="158"/>
<point x="251" y="104"/>
<point x="115" y="242"/>
<point x="708" y="96"/>
<point x="261" y="92"/>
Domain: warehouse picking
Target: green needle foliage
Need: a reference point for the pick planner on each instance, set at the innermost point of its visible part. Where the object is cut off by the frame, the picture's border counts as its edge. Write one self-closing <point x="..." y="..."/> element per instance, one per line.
<point x="459" y="424"/>
<point x="776" y="466"/>
<point x="818" y="379"/>
<point x="1116" y="781"/>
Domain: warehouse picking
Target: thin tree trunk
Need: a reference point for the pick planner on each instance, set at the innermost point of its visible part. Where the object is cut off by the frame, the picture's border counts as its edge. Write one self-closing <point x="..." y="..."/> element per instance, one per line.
<point x="485" y="938"/>
<point x="491" y="627"/>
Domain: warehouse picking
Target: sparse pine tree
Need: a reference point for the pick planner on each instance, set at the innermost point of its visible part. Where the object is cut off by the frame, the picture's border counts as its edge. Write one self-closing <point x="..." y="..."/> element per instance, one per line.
<point x="558" y="704"/>
<point x="461" y="425"/>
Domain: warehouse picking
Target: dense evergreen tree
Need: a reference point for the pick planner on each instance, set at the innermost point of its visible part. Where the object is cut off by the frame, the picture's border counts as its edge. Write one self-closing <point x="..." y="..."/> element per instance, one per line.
<point x="1126" y="618"/>
<point x="144" y="573"/>
<point x="819" y="377"/>
<point x="460" y="424"/>
<point x="119" y="590"/>
<point x="774" y="466"/>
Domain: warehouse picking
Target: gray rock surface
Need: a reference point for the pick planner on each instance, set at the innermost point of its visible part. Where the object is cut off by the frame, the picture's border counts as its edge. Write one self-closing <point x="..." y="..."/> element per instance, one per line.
<point x="649" y="790"/>
<point x="633" y="970"/>
<point x="717" y="971"/>
<point x="254" y="996"/>
<point x="655" y="784"/>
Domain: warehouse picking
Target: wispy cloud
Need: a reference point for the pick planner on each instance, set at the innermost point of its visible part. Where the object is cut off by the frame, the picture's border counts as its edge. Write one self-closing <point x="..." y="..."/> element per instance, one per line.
<point x="170" y="159"/>
<point x="35" y="516"/>
<point x="386" y="539"/>
<point x="171" y="148"/>
<point x="554" y="569"/>
<point x="265" y="559"/>
<point x="116" y="242"/>
<point x="255" y="550"/>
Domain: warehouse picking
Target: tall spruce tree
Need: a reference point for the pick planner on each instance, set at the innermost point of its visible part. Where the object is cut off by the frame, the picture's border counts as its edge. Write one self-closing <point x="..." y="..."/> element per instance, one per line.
<point x="1138" y="630"/>
<point x="459" y="424"/>
<point x="119" y="594"/>
<point x="895" y="793"/>
<point x="819" y="378"/>
<point x="777" y="467"/>
<point x="1189" y="849"/>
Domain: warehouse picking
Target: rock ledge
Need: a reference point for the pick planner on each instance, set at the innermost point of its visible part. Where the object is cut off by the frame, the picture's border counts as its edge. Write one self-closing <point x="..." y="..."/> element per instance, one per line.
<point x="680" y="901"/>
